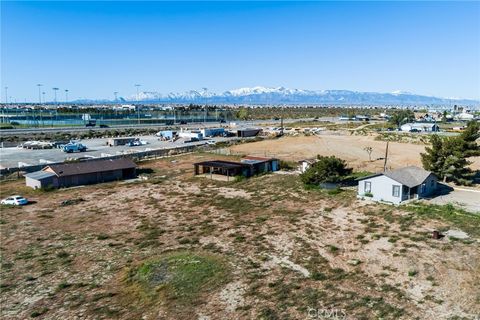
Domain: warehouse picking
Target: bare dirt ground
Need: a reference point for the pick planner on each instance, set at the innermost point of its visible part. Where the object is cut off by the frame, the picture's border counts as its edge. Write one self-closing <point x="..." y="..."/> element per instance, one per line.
<point x="292" y="252"/>
<point x="343" y="145"/>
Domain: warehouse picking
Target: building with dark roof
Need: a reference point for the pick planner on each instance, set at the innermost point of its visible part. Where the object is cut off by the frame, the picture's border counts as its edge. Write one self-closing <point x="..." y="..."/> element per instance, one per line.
<point x="81" y="173"/>
<point x="398" y="185"/>
<point x="247" y="167"/>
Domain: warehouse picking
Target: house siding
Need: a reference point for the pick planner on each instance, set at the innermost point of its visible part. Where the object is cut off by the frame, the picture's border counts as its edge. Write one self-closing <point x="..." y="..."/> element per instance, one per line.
<point x="381" y="189"/>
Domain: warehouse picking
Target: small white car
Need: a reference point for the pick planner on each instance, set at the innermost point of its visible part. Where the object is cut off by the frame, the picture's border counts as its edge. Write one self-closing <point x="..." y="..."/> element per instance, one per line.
<point x="211" y="142"/>
<point x="15" y="201"/>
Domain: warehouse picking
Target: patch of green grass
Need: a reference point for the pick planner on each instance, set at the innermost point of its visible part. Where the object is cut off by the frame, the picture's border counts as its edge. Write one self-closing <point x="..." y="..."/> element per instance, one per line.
<point x="454" y="216"/>
<point x="38" y="313"/>
<point x="180" y="276"/>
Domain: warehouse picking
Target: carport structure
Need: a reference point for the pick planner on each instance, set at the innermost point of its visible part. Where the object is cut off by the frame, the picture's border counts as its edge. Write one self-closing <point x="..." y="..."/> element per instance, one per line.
<point x="220" y="167"/>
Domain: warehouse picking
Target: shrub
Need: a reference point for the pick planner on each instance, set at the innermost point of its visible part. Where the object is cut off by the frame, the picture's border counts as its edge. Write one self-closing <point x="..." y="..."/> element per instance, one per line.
<point x="326" y="170"/>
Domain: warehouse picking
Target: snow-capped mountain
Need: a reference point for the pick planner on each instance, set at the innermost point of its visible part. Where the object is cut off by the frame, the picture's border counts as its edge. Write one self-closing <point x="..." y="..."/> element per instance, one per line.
<point x="282" y="95"/>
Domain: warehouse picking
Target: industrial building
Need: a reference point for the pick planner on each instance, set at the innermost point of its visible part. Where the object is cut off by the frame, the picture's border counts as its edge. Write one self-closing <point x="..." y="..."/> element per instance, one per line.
<point x="247" y="167"/>
<point x="81" y="173"/>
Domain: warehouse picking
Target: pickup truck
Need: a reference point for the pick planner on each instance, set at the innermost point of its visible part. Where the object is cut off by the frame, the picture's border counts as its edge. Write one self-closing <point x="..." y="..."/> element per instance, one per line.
<point x="74" y="147"/>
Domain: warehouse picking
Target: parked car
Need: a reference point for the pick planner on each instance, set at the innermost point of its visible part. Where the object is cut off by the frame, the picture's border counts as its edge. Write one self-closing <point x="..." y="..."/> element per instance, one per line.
<point x="134" y="143"/>
<point x="414" y="130"/>
<point x="104" y="126"/>
<point x="74" y="147"/>
<point x="15" y="201"/>
<point x="183" y="122"/>
<point x="211" y="142"/>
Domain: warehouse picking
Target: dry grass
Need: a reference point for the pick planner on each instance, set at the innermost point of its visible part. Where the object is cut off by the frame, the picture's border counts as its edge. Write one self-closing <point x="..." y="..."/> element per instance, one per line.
<point x="287" y="249"/>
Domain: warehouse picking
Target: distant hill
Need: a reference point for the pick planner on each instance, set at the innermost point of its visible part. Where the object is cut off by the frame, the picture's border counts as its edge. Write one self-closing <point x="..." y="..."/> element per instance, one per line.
<point x="281" y="95"/>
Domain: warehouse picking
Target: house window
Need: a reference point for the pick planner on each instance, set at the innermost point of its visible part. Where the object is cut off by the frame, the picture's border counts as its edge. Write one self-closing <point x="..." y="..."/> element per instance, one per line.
<point x="396" y="191"/>
<point x="368" y="187"/>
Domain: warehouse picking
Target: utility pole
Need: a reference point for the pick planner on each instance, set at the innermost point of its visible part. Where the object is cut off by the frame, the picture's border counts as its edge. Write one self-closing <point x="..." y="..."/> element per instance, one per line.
<point x="39" y="93"/>
<point x="43" y="95"/>
<point x="386" y="156"/>
<point x="138" y="107"/>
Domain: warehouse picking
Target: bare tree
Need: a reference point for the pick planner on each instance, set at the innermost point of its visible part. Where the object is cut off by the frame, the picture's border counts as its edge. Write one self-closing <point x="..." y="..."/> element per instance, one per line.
<point x="369" y="151"/>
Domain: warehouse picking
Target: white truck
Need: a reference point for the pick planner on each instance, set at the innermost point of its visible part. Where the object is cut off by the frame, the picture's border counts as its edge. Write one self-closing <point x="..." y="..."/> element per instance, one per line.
<point x="74" y="147"/>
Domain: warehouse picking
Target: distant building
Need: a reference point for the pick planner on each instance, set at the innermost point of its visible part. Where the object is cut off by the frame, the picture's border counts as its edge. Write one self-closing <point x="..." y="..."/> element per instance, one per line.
<point x="213" y="132"/>
<point x="243" y="133"/>
<point x="247" y="167"/>
<point x="465" y="116"/>
<point x="304" y="164"/>
<point x="192" y="135"/>
<point x="112" y="142"/>
<point x="423" y="127"/>
<point x="398" y="185"/>
<point x="81" y="173"/>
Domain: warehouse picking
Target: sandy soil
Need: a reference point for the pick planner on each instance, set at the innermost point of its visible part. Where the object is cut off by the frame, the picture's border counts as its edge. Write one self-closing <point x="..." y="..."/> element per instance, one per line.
<point x="289" y="249"/>
<point x="345" y="146"/>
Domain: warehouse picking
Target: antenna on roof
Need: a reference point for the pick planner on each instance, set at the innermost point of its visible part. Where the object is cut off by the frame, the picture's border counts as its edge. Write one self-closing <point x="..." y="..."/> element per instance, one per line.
<point x="386" y="156"/>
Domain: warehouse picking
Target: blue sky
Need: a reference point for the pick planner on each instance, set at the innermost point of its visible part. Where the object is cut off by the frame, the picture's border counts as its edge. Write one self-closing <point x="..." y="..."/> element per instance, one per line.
<point x="96" y="48"/>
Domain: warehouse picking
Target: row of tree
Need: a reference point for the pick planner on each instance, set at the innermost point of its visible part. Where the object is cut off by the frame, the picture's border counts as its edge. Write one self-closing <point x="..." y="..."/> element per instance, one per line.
<point x="447" y="157"/>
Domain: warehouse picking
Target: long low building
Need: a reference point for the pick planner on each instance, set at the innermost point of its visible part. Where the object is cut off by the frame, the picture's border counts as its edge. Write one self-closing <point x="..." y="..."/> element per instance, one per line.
<point x="247" y="167"/>
<point x="81" y="173"/>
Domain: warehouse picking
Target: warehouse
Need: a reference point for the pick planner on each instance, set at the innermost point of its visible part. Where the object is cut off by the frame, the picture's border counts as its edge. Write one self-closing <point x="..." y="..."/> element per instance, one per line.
<point x="81" y="173"/>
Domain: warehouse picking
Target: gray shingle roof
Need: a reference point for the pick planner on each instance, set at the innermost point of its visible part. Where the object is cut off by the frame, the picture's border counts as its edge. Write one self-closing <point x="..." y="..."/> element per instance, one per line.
<point x="409" y="176"/>
<point x="39" y="175"/>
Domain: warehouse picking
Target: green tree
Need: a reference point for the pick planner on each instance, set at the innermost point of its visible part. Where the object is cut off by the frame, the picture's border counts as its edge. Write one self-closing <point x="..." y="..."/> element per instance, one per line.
<point x="401" y="117"/>
<point x="242" y="114"/>
<point x="326" y="169"/>
<point x="448" y="157"/>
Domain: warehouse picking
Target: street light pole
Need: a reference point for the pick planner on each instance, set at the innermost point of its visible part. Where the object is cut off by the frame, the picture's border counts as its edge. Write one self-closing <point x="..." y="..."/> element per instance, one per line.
<point x="55" y="95"/>
<point x="138" y="107"/>
<point x="66" y="95"/>
<point x="39" y="93"/>
<point x="6" y="95"/>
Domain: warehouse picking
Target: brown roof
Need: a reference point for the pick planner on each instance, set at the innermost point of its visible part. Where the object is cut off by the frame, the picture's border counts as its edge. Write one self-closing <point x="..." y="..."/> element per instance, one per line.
<point x="84" y="167"/>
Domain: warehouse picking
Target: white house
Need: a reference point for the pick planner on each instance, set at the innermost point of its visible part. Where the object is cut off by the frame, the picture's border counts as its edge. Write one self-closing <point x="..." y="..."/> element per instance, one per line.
<point x="426" y="127"/>
<point x="398" y="185"/>
<point x="303" y="165"/>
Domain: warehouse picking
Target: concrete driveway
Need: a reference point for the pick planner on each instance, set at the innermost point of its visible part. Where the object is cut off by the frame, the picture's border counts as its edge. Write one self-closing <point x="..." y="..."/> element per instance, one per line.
<point x="466" y="198"/>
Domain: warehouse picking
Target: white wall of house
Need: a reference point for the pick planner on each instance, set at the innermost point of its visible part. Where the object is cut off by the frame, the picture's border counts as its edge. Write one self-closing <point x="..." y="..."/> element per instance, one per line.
<point x="381" y="187"/>
<point x="303" y="166"/>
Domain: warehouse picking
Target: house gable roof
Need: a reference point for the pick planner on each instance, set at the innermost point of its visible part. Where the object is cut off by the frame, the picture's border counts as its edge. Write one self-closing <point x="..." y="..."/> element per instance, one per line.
<point x="411" y="176"/>
<point x="84" y="167"/>
<point x="40" y="175"/>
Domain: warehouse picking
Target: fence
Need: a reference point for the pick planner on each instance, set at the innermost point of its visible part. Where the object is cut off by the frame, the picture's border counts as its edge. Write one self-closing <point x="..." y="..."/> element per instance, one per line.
<point x="142" y="155"/>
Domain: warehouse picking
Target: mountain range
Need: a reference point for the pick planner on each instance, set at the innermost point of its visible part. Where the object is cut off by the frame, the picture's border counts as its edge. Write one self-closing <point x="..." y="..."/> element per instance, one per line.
<point x="281" y="95"/>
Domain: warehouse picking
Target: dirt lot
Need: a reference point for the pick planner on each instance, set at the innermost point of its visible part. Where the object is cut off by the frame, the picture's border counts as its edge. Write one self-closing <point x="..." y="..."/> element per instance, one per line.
<point x="289" y="252"/>
<point x="343" y="145"/>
